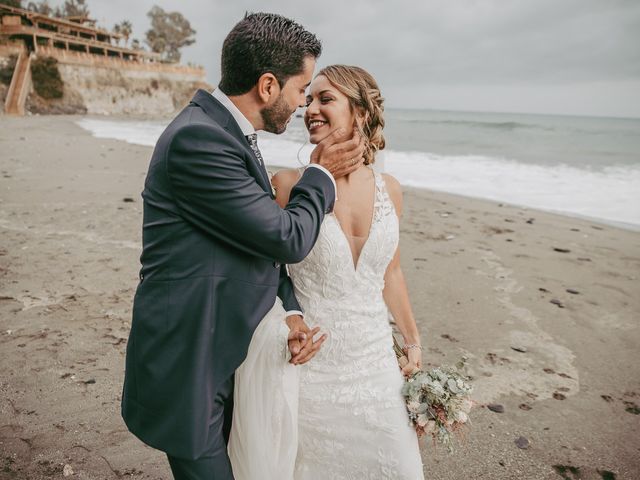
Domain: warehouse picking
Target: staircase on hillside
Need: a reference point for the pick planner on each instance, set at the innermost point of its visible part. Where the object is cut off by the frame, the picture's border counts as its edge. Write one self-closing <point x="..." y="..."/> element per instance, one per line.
<point x="20" y="85"/>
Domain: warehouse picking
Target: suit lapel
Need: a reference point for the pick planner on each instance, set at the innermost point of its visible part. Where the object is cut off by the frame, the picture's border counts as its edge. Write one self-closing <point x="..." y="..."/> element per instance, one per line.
<point x="218" y="113"/>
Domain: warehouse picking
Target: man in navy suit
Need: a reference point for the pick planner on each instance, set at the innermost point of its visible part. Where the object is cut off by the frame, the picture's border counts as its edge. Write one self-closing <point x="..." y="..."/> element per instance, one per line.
<point x="214" y="241"/>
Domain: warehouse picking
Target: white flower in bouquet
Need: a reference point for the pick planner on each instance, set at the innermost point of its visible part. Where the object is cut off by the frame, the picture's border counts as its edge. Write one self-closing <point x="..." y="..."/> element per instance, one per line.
<point x="422" y="420"/>
<point x="466" y="405"/>
<point x="461" y="417"/>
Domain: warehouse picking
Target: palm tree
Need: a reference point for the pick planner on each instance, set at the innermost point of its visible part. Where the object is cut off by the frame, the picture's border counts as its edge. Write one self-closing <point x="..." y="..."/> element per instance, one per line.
<point x="116" y="29"/>
<point x="126" y="28"/>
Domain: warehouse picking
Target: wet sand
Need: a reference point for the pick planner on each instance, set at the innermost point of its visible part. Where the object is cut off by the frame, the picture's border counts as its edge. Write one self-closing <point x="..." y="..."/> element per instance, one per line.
<point x="546" y="307"/>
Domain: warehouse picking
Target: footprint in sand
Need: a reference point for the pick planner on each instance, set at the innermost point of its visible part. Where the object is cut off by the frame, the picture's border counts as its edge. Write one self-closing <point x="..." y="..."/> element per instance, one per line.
<point x="522" y="372"/>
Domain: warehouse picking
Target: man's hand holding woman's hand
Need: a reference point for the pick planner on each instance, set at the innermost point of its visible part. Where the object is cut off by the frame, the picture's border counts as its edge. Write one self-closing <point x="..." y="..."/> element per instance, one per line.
<point x="301" y="344"/>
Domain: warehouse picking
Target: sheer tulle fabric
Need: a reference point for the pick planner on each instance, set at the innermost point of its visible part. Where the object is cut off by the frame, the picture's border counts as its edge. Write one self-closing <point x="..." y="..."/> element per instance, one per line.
<point x="264" y="436"/>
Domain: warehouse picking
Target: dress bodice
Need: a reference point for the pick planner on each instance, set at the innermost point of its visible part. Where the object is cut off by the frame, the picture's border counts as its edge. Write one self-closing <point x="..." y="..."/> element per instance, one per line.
<point x="328" y="273"/>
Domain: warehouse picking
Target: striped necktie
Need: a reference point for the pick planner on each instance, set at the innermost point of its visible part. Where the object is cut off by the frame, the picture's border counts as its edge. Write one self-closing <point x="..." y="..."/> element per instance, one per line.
<point x="253" y="143"/>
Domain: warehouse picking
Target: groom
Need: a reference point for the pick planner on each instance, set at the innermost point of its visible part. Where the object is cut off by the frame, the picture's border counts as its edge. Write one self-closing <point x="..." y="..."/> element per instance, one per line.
<point x="214" y="240"/>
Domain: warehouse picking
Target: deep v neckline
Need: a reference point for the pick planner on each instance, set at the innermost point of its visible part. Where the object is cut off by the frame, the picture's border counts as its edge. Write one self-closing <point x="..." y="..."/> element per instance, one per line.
<point x="355" y="262"/>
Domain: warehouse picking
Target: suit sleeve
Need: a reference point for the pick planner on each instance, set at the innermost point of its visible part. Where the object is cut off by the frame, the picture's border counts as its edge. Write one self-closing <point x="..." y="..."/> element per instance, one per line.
<point x="216" y="193"/>
<point x="286" y="292"/>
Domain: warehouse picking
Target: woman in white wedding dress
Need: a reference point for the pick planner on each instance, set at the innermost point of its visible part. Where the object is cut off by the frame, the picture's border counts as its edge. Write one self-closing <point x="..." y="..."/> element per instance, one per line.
<point x="341" y="415"/>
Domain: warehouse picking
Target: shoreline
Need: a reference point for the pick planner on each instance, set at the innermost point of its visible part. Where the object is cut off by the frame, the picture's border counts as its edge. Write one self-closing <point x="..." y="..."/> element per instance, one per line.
<point x="545" y="306"/>
<point x="598" y="219"/>
<point x="629" y="227"/>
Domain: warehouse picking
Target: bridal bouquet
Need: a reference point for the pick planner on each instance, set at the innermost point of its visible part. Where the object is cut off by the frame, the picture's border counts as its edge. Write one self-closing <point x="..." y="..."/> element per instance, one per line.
<point x="438" y="400"/>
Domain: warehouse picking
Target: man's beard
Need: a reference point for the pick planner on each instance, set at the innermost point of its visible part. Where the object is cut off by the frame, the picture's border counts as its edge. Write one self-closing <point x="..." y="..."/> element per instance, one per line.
<point x="276" y="116"/>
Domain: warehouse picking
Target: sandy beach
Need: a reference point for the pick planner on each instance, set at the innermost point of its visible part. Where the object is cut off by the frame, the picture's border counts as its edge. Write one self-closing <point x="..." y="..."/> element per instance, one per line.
<point x="546" y="308"/>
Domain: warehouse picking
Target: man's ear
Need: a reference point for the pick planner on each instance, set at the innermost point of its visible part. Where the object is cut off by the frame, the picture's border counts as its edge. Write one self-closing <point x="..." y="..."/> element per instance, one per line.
<point x="268" y="88"/>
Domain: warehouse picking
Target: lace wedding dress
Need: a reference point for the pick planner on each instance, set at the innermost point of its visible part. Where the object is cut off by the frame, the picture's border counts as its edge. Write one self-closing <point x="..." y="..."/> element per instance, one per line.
<point x="340" y="416"/>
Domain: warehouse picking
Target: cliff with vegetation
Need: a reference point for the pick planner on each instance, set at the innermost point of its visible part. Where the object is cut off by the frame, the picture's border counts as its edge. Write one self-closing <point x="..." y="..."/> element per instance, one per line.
<point x="61" y="62"/>
<point x="105" y="86"/>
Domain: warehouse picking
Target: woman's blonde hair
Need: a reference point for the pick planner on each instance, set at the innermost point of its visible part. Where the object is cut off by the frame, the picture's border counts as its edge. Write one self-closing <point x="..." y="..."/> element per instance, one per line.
<point x="364" y="96"/>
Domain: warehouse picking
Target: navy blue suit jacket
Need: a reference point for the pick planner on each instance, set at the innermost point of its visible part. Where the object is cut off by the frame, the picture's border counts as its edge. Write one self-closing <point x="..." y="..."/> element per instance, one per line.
<point x="213" y="242"/>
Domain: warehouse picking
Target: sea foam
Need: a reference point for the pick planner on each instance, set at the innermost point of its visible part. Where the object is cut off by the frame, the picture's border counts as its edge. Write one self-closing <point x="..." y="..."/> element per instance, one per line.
<point x="610" y="194"/>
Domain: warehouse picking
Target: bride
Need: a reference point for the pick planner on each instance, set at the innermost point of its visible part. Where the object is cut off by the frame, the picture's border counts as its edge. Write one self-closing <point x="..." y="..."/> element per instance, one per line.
<point x="340" y="416"/>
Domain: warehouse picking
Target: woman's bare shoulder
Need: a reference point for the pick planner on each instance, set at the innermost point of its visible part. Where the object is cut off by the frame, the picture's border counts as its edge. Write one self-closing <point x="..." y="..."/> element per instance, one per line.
<point x="286" y="176"/>
<point x="394" y="189"/>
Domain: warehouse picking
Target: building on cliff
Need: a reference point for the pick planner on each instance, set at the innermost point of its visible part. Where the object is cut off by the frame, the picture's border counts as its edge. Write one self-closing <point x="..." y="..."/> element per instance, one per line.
<point x="97" y="74"/>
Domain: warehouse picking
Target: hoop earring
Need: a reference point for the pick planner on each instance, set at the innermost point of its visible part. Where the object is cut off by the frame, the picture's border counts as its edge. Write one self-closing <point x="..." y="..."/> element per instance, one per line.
<point x="298" y="154"/>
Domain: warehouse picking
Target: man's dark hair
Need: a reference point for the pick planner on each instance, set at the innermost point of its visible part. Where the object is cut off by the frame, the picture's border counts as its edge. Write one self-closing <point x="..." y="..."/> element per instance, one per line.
<point x="264" y="43"/>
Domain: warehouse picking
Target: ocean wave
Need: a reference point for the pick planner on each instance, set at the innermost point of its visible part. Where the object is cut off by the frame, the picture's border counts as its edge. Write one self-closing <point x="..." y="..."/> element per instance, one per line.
<point x="609" y="194"/>
<point x="507" y="126"/>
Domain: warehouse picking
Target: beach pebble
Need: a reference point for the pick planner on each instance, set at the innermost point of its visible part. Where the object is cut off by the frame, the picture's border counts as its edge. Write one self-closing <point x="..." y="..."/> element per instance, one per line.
<point x="67" y="471"/>
<point x="542" y="289"/>
<point x="524" y="406"/>
<point x="572" y="291"/>
<point x="557" y="302"/>
<point x="449" y="237"/>
<point x="530" y="221"/>
<point x="607" y="398"/>
<point x="632" y="408"/>
<point x="561" y="250"/>
<point x="519" y="349"/>
<point x="496" y="407"/>
<point x="91" y="381"/>
<point x="128" y="200"/>
<point x="559" y="396"/>
<point x="522" y="443"/>
<point x="446" y="336"/>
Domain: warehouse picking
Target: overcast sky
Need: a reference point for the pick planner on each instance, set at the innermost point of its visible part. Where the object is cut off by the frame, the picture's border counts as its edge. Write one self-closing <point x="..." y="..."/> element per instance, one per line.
<point x="542" y="56"/>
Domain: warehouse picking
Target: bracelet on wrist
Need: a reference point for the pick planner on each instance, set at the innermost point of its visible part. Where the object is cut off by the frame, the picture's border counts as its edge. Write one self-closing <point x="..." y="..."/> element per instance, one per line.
<point x="409" y="346"/>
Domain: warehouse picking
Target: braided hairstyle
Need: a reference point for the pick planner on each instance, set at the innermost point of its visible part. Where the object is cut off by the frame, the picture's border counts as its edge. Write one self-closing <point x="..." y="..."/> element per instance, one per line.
<point x="364" y="96"/>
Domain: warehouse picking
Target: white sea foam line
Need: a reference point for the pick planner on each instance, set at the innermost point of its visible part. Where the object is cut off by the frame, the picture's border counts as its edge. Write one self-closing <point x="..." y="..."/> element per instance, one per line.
<point x="136" y="132"/>
<point x="612" y="194"/>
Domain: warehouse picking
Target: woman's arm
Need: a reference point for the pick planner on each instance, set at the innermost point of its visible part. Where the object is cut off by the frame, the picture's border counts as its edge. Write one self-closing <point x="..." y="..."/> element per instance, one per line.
<point x="283" y="182"/>
<point x="395" y="292"/>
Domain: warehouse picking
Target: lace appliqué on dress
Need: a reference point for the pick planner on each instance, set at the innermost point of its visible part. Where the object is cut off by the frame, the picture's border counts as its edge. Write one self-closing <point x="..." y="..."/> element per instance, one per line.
<point x="352" y="418"/>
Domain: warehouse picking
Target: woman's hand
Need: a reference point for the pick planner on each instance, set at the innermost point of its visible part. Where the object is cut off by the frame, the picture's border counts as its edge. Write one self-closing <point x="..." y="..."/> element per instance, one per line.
<point x="301" y="343"/>
<point x="414" y="355"/>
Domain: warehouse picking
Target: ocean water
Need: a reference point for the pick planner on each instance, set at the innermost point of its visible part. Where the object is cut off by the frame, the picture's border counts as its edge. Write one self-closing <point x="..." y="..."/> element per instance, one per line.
<point x="579" y="166"/>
